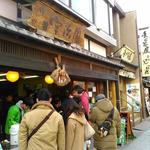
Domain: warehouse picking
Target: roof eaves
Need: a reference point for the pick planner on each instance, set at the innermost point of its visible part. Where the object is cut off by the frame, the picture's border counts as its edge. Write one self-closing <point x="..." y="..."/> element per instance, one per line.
<point x="119" y="10"/>
<point x="130" y="64"/>
<point x="80" y="51"/>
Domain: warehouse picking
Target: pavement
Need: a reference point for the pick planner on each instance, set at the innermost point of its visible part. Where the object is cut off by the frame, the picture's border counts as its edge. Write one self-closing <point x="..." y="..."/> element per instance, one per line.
<point x="142" y="140"/>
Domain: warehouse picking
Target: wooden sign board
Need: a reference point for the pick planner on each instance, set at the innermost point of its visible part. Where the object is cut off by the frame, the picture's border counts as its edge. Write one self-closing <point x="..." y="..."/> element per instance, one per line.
<point x="127" y="54"/>
<point x="47" y="19"/>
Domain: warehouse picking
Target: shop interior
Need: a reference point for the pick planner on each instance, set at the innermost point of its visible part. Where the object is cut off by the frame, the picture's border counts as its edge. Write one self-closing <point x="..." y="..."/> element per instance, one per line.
<point x="22" y="83"/>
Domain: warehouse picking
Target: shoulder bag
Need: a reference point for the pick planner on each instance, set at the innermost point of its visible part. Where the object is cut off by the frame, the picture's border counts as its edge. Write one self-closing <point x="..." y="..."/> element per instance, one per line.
<point x="40" y="124"/>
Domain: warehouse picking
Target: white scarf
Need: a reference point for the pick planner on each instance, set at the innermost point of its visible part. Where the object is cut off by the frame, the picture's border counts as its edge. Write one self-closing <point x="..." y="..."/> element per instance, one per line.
<point x="19" y="105"/>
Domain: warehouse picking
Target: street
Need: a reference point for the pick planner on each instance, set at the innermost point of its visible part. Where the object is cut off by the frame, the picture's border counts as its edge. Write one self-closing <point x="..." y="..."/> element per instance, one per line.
<point x="142" y="141"/>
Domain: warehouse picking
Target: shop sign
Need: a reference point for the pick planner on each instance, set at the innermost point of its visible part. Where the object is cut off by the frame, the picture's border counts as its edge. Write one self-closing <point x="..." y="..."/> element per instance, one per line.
<point x="127" y="54"/>
<point x="127" y="74"/>
<point x="53" y="23"/>
<point x="145" y="52"/>
<point x="134" y="96"/>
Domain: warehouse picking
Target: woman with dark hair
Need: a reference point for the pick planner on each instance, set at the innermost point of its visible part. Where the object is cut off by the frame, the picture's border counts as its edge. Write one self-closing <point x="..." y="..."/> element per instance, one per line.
<point x="75" y="122"/>
<point x="78" y="92"/>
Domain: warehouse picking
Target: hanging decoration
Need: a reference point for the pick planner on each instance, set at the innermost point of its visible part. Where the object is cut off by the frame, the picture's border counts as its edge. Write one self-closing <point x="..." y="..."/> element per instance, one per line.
<point x="60" y="75"/>
<point x="49" y="79"/>
<point x="12" y="76"/>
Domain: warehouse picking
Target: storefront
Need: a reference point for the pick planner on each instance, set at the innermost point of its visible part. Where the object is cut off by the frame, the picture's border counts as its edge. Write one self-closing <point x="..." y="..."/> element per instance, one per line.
<point x="53" y="32"/>
<point x="130" y="83"/>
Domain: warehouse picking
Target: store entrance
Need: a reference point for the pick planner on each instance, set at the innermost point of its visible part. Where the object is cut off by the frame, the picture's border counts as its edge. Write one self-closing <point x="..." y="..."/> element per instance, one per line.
<point x="28" y="83"/>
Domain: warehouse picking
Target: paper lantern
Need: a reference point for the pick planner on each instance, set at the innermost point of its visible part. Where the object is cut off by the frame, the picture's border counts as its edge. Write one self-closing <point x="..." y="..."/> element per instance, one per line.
<point x="12" y="76"/>
<point x="49" y="79"/>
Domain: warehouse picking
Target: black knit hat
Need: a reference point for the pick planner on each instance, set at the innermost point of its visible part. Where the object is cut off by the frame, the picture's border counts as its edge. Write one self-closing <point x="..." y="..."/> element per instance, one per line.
<point x="100" y="97"/>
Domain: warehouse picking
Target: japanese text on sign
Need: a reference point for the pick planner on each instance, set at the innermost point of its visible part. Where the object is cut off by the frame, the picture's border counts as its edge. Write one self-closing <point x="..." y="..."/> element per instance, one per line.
<point x="51" y="21"/>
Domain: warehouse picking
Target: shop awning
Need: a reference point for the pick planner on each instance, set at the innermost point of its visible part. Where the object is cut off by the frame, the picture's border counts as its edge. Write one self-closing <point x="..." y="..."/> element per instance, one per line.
<point x="13" y="28"/>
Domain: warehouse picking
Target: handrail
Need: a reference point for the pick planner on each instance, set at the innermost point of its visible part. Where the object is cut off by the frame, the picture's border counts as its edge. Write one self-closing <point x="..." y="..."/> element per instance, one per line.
<point x="125" y="99"/>
<point x="122" y="97"/>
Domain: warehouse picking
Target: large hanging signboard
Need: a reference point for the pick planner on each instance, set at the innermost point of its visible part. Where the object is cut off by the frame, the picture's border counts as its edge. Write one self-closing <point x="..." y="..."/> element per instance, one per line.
<point x="53" y="23"/>
<point x="127" y="54"/>
<point x="145" y="51"/>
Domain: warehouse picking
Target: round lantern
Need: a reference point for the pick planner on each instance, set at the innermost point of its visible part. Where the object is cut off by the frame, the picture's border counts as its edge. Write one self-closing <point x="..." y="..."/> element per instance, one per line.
<point x="49" y="79"/>
<point x="12" y="76"/>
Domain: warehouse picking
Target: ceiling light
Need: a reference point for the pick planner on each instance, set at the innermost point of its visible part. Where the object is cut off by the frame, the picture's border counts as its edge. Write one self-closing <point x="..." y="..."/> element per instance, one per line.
<point x="29" y="77"/>
<point x="2" y="74"/>
<point x="1" y="80"/>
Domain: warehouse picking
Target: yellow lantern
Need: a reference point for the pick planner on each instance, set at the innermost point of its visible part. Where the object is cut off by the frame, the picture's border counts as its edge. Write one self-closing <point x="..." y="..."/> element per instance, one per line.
<point x="12" y="76"/>
<point x="49" y="79"/>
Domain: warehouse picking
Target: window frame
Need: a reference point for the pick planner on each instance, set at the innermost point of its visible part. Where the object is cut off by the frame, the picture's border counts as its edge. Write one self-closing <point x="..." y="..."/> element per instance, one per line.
<point x="92" y="11"/>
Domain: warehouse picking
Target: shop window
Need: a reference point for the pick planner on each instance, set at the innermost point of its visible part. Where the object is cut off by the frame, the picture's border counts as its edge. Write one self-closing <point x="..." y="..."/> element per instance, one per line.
<point x="8" y="9"/>
<point x="81" y="83"/>
<point x="91" y="91"/>
<point x="83" y="7"/>
<point x="86" y="43"/>
<point x="98" y="49"/>
<point x="101" y="15"/>
<point x="111" y="21"/>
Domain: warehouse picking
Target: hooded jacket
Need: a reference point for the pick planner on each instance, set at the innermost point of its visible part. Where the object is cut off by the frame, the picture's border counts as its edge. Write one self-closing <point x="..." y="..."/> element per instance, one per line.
<point x="97" y="116"/>
<point x="75" y="132"/>
<point x="50" y="136"/>
<point x="14" y="116"/>
<point x="85" y="102"/>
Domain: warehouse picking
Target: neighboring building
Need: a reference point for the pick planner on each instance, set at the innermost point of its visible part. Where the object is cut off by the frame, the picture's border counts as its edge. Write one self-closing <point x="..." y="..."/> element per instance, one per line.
<point x="128" y="54"/>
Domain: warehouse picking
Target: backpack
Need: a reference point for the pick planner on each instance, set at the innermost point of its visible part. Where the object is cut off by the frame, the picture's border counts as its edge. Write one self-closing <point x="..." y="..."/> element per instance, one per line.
<point x="106" y="125"/>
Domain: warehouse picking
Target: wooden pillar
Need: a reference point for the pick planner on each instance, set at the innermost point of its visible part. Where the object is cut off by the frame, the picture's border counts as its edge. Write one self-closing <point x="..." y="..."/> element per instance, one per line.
<point x="114" y="93"/>
<point x="112" y="90"/>
<point x="107" y="89"/>
<point x="117" y="95"/>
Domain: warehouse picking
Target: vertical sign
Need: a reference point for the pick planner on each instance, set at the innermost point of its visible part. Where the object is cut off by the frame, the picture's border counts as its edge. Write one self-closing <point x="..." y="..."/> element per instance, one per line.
<point x="145" y="51"/>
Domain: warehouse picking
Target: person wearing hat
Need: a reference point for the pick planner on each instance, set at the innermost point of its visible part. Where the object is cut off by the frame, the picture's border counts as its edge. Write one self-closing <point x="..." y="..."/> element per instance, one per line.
<point x="14" y="116"/>
<point x="98" y="115"/>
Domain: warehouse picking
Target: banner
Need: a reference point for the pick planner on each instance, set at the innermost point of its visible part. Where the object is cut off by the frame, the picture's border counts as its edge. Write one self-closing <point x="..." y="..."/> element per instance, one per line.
<point x="145" y="51"/>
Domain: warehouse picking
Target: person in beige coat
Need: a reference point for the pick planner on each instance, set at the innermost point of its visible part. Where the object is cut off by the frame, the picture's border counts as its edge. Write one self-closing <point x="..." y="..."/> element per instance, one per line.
<point x="51" y="135"/>
<point x="75" y="126"/>
<point x="98" y="115"/>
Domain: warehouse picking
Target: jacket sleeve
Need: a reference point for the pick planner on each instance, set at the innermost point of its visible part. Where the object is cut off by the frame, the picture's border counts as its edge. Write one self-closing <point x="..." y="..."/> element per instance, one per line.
<point x="13" y="117"/>
<point x="61" y="135"/>
<point x="92" y="115"/>
<point x="118" y="124"/>
<point x="70" y="133"/>
<point x="23" y="134"/>
<point x="92" y="118"/>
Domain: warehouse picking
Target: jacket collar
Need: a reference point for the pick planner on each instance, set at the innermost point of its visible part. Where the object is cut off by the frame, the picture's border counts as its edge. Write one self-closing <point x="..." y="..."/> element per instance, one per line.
<point x="79" y="118"/>
<point x="43" y="105"/>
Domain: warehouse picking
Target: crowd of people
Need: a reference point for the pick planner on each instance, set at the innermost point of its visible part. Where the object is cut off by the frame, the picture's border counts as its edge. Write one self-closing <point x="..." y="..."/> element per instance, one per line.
<point x="61" y="126"/>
